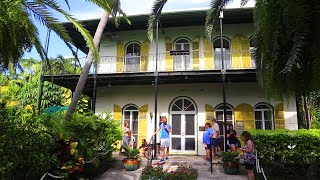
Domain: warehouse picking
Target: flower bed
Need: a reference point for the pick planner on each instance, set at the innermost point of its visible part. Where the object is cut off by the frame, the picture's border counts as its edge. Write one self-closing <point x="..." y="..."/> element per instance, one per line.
<point x="182" y="172"/>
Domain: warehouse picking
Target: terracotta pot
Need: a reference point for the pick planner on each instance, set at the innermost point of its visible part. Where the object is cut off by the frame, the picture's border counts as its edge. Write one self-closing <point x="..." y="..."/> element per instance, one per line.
<point x="231" y="167"/>
<point x="130" y="164"/>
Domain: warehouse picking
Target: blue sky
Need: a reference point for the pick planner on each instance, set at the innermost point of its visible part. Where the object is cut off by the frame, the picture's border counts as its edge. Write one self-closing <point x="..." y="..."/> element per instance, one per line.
<point x="82" y="9"/>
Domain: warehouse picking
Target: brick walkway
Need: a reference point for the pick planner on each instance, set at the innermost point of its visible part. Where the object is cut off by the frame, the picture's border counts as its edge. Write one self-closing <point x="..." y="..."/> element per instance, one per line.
<point x="117" y="171"/>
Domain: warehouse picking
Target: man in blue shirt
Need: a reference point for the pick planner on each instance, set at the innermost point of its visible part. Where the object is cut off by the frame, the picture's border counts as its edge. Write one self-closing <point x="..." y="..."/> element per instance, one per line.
<point x="164" y="130"/>
<point x="207" y="135"/>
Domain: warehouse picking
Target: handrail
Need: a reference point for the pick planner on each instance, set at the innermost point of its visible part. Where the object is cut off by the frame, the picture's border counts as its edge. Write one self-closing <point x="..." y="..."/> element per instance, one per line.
<point x="258" y="166"/>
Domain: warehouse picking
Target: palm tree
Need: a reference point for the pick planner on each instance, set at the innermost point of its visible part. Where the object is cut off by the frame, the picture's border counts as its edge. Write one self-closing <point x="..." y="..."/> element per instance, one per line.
<point x="111" y="7"/>
<point x="18" y="33"/>
<point x="286" y="38"/>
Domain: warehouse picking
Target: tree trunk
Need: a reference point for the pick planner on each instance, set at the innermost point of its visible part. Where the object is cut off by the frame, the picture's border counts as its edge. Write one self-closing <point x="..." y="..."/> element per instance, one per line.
<point x="85" y="71"/>
<point x="306" y="111"/>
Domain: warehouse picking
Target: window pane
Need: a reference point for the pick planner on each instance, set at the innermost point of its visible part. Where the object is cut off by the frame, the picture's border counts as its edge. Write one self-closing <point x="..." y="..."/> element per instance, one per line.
<point x="136" y="49"/>
<point x="126" y="115"/>
<point x="190" y="144"/>
<point x="177" y="106"/>
<point x="267" y="115"/>
<point x="129" y="50"/>
<point x="176" y="143"/>
<point x="178" y="47"/>
<point x="262" y="106"/>
<point x="135" y="122"/>
<point x="131" y="108"/>
<point x="186" y="47"/>
<point x="176" y="124"/>
<point x="188" y="106"/>
<point x="182" y="41"/>
<point x="258" y="115"/>
<point x="190" y="124"/>
<point x="258" y="125"/>
<point x="229" y="115"/>
<point x="268" y="125"/>
<point x="219" y="115"/>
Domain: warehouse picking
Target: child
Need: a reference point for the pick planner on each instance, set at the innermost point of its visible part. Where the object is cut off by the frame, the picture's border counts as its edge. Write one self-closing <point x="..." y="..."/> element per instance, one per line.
<point x="144" y="147"/>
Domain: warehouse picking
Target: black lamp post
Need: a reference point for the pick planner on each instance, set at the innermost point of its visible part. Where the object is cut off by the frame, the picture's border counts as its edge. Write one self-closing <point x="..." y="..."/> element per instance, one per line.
<point x="223" y="76"/>
<point x="156" y="95"/>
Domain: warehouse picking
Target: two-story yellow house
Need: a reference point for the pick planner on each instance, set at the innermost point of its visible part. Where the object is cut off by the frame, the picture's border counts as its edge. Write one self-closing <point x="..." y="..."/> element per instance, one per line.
<point x="189" y="89"/>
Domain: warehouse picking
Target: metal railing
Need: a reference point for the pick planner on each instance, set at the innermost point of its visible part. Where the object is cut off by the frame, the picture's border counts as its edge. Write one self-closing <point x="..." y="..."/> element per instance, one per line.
<point x="146" y="63"/>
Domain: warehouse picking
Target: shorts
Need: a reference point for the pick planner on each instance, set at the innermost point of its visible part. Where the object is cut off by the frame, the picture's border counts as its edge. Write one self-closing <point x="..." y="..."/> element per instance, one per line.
<point x="208" y="146"/>
<point x="165" y="142"/>
<point x="236" y="145"/>
<point x="215" y="142"/>
<point x="248" y="166"/>
<point x="125" y="140"/>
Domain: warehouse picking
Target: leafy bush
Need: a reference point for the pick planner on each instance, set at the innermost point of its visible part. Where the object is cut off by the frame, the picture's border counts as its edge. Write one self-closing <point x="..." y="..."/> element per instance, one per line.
<point x="33" y="144"/>
<point x="291" y="153"/>
<point x="83" y="137"/>
<point x="24" y="145"/>
<point x="182" y="172"/>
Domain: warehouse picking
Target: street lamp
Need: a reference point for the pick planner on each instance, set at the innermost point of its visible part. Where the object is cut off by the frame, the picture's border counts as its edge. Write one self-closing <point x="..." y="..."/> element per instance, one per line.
<point x="223" y="76"/>
<point x="156" y="95"/>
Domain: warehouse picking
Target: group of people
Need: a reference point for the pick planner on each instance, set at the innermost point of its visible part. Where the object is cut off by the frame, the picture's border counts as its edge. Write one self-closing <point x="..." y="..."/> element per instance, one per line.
<point x="211" y="141"/>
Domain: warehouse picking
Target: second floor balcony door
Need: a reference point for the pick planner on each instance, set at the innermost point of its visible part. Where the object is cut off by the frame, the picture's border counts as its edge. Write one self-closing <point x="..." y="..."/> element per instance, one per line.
<point x="217" y="53"/>
<point x="132" y="59"/>
<point x="182" y="62"/>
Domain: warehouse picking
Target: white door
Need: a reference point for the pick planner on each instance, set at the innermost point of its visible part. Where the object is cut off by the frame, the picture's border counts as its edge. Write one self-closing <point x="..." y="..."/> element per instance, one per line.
<point x="183" y="122"/>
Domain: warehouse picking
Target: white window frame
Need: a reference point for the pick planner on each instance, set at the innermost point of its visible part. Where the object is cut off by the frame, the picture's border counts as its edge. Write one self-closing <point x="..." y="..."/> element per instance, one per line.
<point x="262" y="110"/>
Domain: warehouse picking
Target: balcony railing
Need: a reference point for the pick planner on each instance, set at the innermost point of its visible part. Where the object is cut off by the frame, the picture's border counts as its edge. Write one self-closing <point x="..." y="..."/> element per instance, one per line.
<point x="146" y="63"/>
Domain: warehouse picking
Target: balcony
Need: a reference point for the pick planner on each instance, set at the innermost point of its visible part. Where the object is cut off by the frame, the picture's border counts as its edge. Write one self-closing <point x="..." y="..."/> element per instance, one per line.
<point x="194" y="61"/>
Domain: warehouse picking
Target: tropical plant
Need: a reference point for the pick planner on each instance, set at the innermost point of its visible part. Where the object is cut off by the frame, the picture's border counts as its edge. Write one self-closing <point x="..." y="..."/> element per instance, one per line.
<point x="25" y="147"/>
<point x="130" y="152"/>
<point x="111" y="7"/>
<point x="230" y="156"/>
<point x="19" y="32"/>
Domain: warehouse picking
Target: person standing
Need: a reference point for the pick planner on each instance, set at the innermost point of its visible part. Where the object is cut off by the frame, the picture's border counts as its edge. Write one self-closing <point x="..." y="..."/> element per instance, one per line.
<point x="232" y="138"/>
<point x="206" y="140"/>
<point x="127" y="136"/>
<point x="248" y="154"/>
<point x="164" y="130"/>
<point x="215" y="137"/>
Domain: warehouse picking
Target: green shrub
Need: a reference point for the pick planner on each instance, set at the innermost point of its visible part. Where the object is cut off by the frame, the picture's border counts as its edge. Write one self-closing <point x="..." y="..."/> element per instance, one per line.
<point x="291" y="153"/>
<point x="157" y="172"/>
<point x="83" y="137"/>
<point x="24" y="145"/>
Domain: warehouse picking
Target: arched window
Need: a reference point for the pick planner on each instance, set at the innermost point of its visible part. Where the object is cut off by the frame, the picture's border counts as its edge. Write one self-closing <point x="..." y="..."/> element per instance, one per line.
<point x="217" y="53"/>
<point x="182" y="61"/>
<point x="220" y="119"/>
<point x="130" y="115"/>
<point x="252" y="48"/>
<point x="263" y="115"/>
<point x="132" y="62"/>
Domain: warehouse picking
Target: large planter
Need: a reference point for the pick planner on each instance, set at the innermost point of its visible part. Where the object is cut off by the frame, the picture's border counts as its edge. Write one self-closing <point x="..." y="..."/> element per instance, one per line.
<point x="231" y="167"/>
<point x="130" y="164"/>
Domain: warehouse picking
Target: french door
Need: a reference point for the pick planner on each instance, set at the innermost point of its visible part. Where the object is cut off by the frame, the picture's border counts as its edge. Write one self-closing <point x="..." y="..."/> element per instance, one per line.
<point x="183" y="122"/>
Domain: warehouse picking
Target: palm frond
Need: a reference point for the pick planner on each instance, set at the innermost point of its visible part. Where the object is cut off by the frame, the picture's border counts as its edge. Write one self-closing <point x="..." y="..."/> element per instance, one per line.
<point x="155" y="16"/>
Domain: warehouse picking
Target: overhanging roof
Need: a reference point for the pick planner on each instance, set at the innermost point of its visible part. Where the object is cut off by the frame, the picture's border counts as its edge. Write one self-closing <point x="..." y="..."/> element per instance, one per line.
<point x="168" y="19"/>
<point x="147" y="78"/>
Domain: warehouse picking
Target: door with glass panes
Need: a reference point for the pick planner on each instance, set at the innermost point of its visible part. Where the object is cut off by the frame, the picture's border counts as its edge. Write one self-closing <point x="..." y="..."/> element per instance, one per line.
<point x="130" y="115"/>
<point x="183" y="122"/>
<point x="220" y="121"/>
<point x="182" y="61"/>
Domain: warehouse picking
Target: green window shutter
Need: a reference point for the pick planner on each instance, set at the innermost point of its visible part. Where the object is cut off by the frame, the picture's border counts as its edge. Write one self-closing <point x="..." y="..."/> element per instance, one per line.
<point x="244" y="114"/>
<point x="120" y="57"/>
<point x="208" y="54"/>
<point x="143" y="124"/>
<point x="195" y="53"/>
<point x="279" y="116"/>
<point x="240" y="52"/>
<point x="144" y="61"/>
<point x="209" y="113"/>
<point x="169" y="58"/>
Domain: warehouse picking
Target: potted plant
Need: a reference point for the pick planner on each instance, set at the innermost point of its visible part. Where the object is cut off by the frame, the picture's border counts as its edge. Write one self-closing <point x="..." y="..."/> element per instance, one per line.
<point x="230" y="162"/>
<point x="131" y="161"/>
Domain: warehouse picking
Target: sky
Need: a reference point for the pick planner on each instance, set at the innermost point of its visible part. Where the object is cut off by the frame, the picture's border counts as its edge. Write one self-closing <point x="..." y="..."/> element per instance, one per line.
<point x="83" y="10"/>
